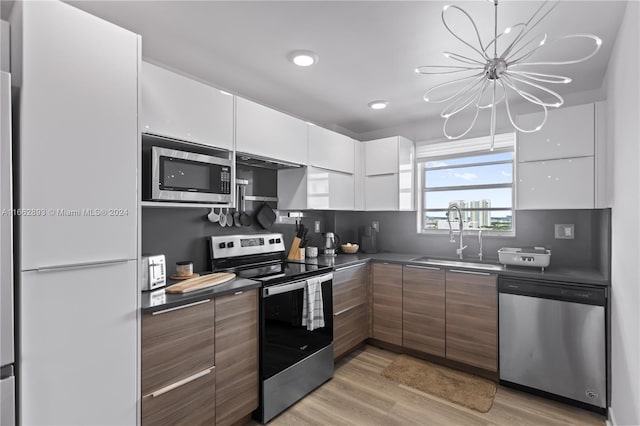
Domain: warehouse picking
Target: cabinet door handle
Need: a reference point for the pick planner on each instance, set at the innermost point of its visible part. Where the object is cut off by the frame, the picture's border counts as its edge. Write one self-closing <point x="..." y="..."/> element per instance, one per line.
<point x="431" y="268"/>
<point x="349" y="267"/>
<point x="345" y="310"/>
<point x="164" y="311"/>
<point x="179" y="383"/>
<point x="81" y="265"/>
<point x="457" y="271"/>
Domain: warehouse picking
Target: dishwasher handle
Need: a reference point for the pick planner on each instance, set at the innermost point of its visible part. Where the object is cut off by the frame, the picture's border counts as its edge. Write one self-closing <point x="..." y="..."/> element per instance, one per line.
<point x="555" y="290"/>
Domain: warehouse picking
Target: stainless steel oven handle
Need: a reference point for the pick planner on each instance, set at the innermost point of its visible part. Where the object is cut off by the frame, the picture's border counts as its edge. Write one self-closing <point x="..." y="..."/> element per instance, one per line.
<point x="297" y="285"/>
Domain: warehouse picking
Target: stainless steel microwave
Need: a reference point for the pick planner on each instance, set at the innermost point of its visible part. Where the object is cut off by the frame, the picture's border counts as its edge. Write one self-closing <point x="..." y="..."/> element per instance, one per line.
<point x="181" y="176"/>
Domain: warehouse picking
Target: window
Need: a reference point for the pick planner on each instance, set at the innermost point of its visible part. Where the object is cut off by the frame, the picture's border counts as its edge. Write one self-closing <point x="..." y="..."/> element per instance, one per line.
<point x="467" y="174"/>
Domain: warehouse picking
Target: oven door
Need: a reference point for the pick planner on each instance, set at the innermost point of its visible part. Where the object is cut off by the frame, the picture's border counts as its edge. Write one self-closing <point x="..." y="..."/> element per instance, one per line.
<point x="285" y="341"/>
<point x="186" y="176"/>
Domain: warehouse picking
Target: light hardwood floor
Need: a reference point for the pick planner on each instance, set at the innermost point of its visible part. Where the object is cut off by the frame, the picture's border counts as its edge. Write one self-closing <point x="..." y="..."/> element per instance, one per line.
<point x="359" y="395"/>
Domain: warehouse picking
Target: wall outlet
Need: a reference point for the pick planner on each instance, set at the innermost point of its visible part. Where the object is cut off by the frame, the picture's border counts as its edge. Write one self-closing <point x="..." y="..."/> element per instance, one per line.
<point x="316" y="226"/>
<point x="375" y="225"/>
<point x="565" y="231"/>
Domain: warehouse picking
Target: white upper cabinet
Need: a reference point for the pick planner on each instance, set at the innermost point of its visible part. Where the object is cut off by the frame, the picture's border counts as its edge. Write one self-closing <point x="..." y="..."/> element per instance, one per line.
<point x="330" y="150"/>
<point x="568" y="133"/>
<point x="381" y="156"/>
<point x="180" y="108"/>
<point x="312" y="188"/>
<point x="562" y="166"/>
<point x="79" y="161"/>
<point x="359" y="178"/>
<point x="390" y="174"/>
<point x="269" y="133"/>
<point x="381" y="192"/>
<point x="329" y="190"/>
<point x="5" y="48"/>
<point x="556" y="184"/>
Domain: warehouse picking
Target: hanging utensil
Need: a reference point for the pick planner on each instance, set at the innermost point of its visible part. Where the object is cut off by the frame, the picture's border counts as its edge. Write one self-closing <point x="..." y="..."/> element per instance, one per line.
<point x="236" y="214"/>
<point x="266" y="216"/>
<point x="223" y="219"/>
<point x="245" y="219"/>
<point x="213" y="216"/>
<point x="229" y="217"/>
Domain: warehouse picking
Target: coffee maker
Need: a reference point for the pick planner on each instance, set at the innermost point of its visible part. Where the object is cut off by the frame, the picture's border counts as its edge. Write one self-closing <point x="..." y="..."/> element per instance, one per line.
<point x="368" y="243"/>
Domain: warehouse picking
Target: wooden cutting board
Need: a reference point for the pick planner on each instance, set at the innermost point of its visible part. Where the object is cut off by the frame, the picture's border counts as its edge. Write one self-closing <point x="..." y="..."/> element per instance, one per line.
<point x="200" y="283"/>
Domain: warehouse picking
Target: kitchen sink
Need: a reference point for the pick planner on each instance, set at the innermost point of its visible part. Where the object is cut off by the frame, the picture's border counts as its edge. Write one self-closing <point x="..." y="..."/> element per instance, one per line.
<point x="458" y="263"/>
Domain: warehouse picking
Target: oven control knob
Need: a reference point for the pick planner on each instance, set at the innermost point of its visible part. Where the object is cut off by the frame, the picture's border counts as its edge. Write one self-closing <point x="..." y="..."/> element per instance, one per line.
<point x="230" y="244"/>
<point x="277" y="240"/>
<point x="271" y="241"/>
<point x="222" y="245"/>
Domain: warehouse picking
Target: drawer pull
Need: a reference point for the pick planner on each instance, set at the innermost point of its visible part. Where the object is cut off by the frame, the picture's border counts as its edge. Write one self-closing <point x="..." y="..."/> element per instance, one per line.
<point x="200" y="302"/>
<point x="345" y="310"/>
<point x="349" y="267"/>
<point x="237" y="293"/>
<point x="179" y="383"/>
<point x="457" y="271"/>
<point x="431" y="268"/>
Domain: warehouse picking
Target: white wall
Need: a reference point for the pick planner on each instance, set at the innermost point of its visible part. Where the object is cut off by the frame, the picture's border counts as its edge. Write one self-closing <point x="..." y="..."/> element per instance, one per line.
<point x="623" y="138"/>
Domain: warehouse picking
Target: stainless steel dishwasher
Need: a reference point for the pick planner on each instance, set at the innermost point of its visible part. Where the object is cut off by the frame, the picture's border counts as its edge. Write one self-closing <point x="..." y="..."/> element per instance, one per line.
<point x="552" y="338"/>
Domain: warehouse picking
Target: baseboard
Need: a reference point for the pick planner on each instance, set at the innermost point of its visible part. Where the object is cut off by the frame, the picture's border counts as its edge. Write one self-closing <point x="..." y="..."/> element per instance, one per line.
<point x="611" y="421"/>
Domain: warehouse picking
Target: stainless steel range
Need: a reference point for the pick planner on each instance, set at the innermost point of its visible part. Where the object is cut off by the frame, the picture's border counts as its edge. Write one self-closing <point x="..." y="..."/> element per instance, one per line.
<point x="296" y="317"/>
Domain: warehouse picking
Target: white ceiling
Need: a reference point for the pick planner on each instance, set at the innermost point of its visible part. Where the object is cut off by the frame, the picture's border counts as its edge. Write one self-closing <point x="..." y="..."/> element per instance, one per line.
<point x="368" y="50"/>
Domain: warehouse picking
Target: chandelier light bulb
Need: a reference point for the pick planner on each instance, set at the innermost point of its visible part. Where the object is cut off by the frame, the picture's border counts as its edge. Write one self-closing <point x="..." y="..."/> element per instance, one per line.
<point x="499" y="75"/>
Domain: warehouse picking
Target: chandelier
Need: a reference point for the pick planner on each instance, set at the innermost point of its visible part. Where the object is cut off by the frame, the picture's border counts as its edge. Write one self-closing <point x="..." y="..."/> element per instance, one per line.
<point x="488" y="80"/>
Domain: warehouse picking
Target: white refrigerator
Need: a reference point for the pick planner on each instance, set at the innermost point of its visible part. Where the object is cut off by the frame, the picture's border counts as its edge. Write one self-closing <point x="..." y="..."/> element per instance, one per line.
<point x="7" y="379"/>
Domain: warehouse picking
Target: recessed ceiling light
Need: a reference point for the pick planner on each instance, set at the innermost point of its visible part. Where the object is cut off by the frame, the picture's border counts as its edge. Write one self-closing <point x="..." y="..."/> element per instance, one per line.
<point x="378" y="104"/>
<point x="303" y="58"/>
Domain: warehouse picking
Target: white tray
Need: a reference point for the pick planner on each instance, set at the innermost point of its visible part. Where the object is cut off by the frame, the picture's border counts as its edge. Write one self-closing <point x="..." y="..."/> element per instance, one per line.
<point x="537" y="257"/>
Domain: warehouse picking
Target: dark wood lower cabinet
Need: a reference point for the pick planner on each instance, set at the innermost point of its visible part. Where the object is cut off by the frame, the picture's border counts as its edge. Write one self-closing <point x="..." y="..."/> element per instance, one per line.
<point x="350" y="328"/>
<point x="472" y="319"/>
<point x="236" y="356"/>
<point x="423" y="309"/>
<point x="176" y="343"/>
<point x="200" y="362"/>
<point x="350" y="308"/>
<point x="387" y="302"/>
<point x="186" y="404"/>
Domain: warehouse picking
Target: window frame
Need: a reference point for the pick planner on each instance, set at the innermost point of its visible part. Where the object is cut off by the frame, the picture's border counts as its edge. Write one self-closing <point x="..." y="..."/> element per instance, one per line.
<point x="423" y="189"/>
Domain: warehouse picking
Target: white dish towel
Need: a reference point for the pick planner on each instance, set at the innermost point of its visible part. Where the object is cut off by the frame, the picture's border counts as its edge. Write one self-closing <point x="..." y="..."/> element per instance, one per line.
<point x="312" y="308"/>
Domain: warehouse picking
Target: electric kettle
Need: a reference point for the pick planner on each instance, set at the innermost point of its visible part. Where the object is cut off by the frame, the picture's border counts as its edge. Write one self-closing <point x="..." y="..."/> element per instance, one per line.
<point x="330" y="242"/>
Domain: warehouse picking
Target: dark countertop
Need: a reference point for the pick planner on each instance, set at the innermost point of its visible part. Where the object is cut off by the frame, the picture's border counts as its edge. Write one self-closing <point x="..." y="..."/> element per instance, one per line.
<point x="579" y="275"/>
<point x="158" y="300"/>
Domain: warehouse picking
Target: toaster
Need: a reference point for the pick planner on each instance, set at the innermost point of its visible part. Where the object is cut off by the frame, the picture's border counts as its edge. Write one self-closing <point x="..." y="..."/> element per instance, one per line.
<point x="154" y="272"/>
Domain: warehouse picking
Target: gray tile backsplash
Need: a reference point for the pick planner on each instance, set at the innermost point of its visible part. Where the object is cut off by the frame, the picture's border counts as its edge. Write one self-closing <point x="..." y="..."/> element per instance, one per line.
<point x="180" y="233"/>
<point x="533" y="228"/>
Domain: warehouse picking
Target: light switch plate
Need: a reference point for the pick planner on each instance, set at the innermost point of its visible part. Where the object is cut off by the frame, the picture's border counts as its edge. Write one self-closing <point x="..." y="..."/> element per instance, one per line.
<point x="316" y="226"/>
<point x="565" y="231"/>
<point x="375" y="225"/>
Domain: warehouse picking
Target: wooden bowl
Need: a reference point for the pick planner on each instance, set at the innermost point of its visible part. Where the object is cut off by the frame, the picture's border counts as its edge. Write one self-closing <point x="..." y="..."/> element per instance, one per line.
<point x="353" y="248"/>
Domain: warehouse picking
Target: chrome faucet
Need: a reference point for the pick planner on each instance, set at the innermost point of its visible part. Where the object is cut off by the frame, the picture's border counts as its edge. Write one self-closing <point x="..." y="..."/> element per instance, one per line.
<point x="451" y="239"/>
<point x="480" y="241"/>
